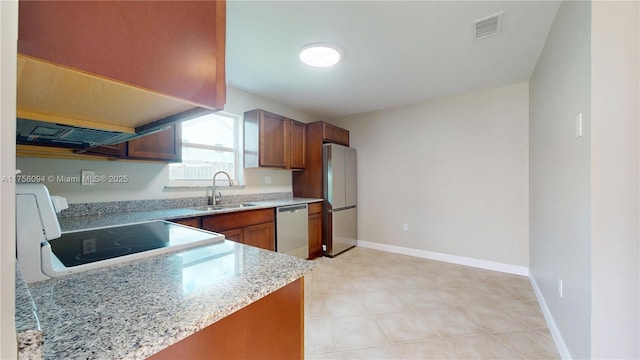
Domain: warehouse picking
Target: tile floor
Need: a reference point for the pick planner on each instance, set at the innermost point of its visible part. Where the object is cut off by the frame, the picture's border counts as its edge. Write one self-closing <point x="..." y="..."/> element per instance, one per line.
<point x="369" y="304"/>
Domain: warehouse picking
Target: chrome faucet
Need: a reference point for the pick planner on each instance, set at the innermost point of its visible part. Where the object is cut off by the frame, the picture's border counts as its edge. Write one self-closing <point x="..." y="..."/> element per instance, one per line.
<point x="217" y="197"/>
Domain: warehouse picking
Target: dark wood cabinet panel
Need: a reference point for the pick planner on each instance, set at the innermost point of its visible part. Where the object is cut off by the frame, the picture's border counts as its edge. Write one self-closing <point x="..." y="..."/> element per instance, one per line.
<point x="237" y="220"/>
<point x="175" y="48"/>
<point x="335" y="134"/>
<point x="261" y="235"/>
<point x="266" y="139"/>
<point x="273" y="141"/>
<point x="165" y="145"/>
<point x="193" y="222"/>
<point x="315" y="230"/>
<point x="298" y="149"/>
<point x="270" y="328"/>
<point x="308" y="183"/>
<point x="234" y="235"/>
<point x="250" y="227"/>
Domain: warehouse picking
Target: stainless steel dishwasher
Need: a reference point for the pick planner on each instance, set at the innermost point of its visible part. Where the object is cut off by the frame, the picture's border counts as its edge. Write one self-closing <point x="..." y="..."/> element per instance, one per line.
<point x="292" y="230"/>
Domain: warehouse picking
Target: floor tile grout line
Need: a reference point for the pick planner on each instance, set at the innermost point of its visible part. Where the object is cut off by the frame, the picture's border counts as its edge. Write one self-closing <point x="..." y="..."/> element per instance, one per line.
<point x="454" y="349"/>
<point x="508" y="292"/>
<point x="509" y="347"/>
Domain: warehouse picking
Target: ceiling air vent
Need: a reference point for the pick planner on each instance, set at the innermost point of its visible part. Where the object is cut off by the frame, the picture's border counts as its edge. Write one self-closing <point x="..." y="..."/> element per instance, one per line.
<point x="486" y="27"/>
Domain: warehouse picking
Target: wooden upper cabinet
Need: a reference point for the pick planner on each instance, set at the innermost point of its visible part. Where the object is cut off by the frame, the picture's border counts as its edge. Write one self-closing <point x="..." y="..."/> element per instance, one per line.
<point x="272" y="140"/>
<point x="298" y="147"/>
<point x="308" y="183"/>
<point x="171" y="48"/>
<point x="335" y="134"/>
<point x="164" y="145"/>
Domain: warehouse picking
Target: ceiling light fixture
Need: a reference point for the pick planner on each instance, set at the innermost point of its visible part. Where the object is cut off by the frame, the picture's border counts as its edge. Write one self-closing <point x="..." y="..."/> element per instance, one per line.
<point x="319" y="55"/>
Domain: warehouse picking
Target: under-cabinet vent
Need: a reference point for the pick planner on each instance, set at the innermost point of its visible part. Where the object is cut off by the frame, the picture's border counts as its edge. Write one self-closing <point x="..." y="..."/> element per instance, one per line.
<point x="486" y="27"/>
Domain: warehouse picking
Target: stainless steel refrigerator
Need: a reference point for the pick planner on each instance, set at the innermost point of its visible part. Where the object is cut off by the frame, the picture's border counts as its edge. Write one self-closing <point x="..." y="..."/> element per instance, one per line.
<point x="340" y="211"/>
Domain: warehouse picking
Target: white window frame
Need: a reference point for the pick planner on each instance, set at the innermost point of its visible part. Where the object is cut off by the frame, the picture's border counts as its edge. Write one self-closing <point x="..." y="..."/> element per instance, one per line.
<point x="237" y="158"/>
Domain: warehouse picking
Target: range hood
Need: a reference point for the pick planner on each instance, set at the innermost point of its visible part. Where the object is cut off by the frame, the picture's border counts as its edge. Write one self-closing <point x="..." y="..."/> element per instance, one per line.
<point x="64" y="107"/>
<point x="34" y="132"/>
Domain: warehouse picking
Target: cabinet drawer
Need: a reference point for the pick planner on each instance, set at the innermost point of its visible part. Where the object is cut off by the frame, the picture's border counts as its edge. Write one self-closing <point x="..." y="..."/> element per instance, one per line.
<point x="237" y="220"/>
<point x="193" y="222"/>
<point x="315" y="208"/>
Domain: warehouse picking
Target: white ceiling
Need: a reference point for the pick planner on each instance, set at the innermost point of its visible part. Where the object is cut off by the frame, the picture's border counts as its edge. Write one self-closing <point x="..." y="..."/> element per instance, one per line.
<point x="394" y="52"/>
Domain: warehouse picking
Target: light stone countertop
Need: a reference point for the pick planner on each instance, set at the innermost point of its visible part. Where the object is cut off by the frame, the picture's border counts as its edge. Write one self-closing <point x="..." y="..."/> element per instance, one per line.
<point x="30" y="336"/>
<point x="136" y="309"/>
<point x="75" y="223"/>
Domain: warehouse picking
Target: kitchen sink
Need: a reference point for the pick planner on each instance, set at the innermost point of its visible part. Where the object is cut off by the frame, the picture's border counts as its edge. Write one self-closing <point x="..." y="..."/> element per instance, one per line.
<point x="222" y="207"/>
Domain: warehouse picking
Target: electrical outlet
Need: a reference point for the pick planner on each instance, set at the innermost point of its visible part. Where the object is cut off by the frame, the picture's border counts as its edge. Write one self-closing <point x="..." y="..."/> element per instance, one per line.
<point x="560" y="288"/>
<point x="405" y="227"/>
<point x="267" y="180"/>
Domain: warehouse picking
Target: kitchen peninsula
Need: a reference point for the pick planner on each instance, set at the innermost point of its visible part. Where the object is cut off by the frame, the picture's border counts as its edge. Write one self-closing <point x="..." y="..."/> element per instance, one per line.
<point x="176" y="302"/>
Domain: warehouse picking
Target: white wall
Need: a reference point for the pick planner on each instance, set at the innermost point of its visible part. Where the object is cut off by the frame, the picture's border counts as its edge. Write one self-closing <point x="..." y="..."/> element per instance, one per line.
<point x="455" y="170"/>
<point x="615" y="65"/>
<point x="147" y="180"/>
<point x="8" y="42"/>
<point x="559" y="175"/>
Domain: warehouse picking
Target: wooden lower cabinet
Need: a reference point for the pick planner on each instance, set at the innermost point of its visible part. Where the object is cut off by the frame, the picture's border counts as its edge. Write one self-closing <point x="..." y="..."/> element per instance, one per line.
<point x="261" y="235"/>
<point x="251" y="227"/>
<point x="193" y="222"/>
<point x="315" y="230"/>
<point x="270" y="328"/>
<point x="234" y="235"/>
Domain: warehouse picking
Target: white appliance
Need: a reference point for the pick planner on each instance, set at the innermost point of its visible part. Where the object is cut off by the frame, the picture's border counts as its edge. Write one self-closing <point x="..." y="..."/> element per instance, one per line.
<point x="341" y="212"/>
<point x="36" y="222"/>
<point x="43" y="252"/>
<point x="292" y="230"/>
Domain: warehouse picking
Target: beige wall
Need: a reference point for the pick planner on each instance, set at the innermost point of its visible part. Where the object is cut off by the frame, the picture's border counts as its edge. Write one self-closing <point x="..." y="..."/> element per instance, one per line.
<point x="584" y="191"/>
<point x="148" y="180"/>
<point x="615" y="287"/>
<point x="8" y="42"/>
<point x="559" y="177"/>
<point x="455" y="170"/>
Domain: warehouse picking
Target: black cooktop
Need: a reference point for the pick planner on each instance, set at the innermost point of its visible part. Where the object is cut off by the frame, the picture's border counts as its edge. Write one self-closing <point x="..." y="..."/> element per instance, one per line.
<point x="88" y="246"/>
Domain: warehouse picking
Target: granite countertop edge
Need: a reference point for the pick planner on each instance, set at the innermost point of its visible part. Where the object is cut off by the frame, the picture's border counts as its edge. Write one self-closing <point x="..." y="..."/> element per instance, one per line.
<point x="79" y="223"/>
<point x="210" y="319"/>
<point x="186" y="317"/>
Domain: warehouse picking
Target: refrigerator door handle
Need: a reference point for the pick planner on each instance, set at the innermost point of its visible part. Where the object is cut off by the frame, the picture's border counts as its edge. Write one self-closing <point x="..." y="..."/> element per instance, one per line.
<point x="341" y="209"/>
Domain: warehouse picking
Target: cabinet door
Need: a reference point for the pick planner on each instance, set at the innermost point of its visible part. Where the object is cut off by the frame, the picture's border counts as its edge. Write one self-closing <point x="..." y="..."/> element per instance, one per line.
<point x="336" y="135"/>
<point x="164" y="145"/>
<point x="261" y="235"/>
<point x="274" y="140"/>
<point x="315" y="235"/>
<point x="170" y="47"/>
<point x="298" y="145"/>
<point x="234" y="235"/>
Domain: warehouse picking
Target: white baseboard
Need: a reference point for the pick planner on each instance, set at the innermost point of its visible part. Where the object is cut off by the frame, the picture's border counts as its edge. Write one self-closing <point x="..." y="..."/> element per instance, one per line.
<point x="460" y="260"/>
<point x="551" y="324"/>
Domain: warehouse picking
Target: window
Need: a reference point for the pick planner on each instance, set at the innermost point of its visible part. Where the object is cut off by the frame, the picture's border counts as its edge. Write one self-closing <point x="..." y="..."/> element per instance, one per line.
<point x="209" y="144"/>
